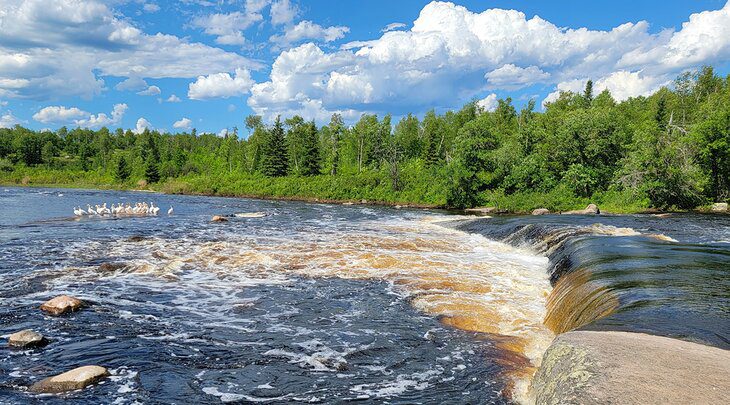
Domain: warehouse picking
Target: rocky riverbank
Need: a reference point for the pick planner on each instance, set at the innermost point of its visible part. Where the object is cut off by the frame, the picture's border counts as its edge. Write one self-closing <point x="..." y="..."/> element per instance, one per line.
<point x="585" y="367"/>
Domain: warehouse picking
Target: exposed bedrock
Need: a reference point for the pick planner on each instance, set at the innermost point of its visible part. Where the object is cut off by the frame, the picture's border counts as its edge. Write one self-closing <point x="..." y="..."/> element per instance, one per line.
<point x="586" y="367"/>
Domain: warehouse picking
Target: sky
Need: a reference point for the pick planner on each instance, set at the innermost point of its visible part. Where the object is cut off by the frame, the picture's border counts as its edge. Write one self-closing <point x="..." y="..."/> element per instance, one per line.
<point x="207" y="64"/>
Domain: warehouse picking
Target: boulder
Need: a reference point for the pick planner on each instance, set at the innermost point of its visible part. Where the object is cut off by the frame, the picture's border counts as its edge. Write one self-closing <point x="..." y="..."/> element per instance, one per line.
<point x="481" y="210"/>
<point x="75" y="379"/>
<point x="541" y="211"/>
<point x="136" y="238"/>
<point x="719" y="207"/>
<point x="363" y="201"/>
<point x="218" y="218"/>
<point x="591" y="209"/>
<point x="110" y="267"/>
<point x="26" y="339"/>
<point x="61" y="305"/>
<point x="587" y="367"/>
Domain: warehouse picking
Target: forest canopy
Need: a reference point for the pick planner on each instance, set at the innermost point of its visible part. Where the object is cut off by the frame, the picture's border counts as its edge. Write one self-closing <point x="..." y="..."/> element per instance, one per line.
<point x="668" y="150"/>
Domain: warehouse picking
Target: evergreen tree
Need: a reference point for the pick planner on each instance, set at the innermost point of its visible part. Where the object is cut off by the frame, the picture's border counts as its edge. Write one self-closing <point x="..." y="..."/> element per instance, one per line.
<point x="274" y="155"/>
<point x="152" y="172"/>
<point x="123" y="169"/>
<point x="588" y="94"/>
<point x="311" y="157"/>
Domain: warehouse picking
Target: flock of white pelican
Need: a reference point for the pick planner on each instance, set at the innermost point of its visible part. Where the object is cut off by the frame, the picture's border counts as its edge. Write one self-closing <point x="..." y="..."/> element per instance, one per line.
<point x="138" y="209"/>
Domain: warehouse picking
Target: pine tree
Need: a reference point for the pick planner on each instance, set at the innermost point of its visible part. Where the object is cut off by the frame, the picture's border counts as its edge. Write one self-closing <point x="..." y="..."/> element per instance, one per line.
<point x="123" y="170"/>
<point x="310" y="164"/>
<point x="588" y="94"/>
<point x="274" y="154"/>
<point x="151" y="172"/>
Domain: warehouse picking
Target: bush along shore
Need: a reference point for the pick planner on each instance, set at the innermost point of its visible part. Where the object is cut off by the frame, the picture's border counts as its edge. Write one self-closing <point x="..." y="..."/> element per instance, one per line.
<point x="667" y="151"/>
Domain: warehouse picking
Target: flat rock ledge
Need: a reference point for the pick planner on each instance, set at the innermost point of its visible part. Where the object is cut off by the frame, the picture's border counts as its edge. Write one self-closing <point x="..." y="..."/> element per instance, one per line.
<point x="26" y="339"/>
<point x="75" y="379"/>
<point x="585" y="367"/>
<point x="61" y="305"/>
<point x="591" y="209"/>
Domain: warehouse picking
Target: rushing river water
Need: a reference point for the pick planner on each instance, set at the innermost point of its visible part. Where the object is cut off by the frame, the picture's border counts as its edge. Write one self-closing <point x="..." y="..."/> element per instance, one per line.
<point x="327" y="303"/>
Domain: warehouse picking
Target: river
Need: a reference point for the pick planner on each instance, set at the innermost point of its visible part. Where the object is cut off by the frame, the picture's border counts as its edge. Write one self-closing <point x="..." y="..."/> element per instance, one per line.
<point x="327" y="303"/>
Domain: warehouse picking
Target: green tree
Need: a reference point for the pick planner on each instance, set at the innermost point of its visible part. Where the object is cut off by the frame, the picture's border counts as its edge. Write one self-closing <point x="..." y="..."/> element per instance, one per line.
<point x="123" y="170"/>
<point x="472" y="163"/>
<point x="274" y="154"/>
<point x="311" y="159"/>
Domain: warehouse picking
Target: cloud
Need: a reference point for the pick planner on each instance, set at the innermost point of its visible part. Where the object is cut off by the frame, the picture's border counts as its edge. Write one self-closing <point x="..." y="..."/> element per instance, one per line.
<point x="50" y="49"/>
<point x="282" y="12"/>
<point x="59" y="114"/>
<point x="451" y="55"/>
<point x="173" y="99"/>
<point x="488" y="103"/>
<point x="132" y="84"/>
<point x="142" y="124"/>
<point x="103" y="120"/>
<point x="151" y="8"/>
<point x="8" y="120"/>
<point x="393" y="26"/>
<point x="184" y="123"/>
<point x="222" y="133"/>
<point x="228" y="28"/>
<point x="63" y="115"/>
<point x="622" y="85"/>
<point x="513" y="77"/>
<point x="220" y="85"/>
<point x="150" y="91"/>
<point x="308" y="30"/>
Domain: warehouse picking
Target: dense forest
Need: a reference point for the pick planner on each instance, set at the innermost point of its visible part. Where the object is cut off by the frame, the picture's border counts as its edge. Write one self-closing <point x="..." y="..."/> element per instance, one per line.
<point x="669" y="150"/>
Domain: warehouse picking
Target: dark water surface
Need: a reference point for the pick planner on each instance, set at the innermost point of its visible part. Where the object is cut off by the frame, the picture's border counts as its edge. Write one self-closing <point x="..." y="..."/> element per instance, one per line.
<point x="186" y="335"/>
<point x="320" y="303"/>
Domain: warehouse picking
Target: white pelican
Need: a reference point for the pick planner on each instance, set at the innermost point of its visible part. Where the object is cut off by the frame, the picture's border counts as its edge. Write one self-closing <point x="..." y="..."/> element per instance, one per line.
<point x="170" y="211"/>
<point x="82" y="212"/>
<point x="90" y="210"/>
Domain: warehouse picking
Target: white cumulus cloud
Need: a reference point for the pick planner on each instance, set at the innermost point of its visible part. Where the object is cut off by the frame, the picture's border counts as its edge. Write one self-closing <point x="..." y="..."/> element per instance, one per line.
<point x="488" y="103"/>
<point x="393" y="26"/>
<point x="59" y="114"/>
<point x="282" y="12"/>
<point x="173" y="99"/>
<point x="103" y="120"/>
<point x="221" y="85"/>
<point x="150" y="91"/>
<point x="141" y="125"/>
<point x="184" y="123"/>
<point x="307" y="30"/>
<point x="8" y="120"/>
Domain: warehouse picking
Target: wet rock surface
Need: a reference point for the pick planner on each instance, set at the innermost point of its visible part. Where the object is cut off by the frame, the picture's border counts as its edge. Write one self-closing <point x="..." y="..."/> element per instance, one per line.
<point x="218" y="218"/>
<point x="541" y="211"/>
<point x="591" y="209"/>
<point x="61" y="305"/>
<point x="26" y="339"/>
<point x="584" y="367"/>
<point x="75" y="379"/>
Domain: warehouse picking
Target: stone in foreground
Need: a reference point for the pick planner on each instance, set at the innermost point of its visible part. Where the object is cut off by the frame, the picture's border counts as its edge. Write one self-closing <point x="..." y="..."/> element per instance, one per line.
<point x="61" y="305"/>
<point x="541" y="211"/>
<point x="218" y="218"/>
<point x="75" y="379"/>
<point x="585" y="367"/>
<point x="26" y="339"/>
<point x="591" y="209"/>
<point x="719" y="207"/>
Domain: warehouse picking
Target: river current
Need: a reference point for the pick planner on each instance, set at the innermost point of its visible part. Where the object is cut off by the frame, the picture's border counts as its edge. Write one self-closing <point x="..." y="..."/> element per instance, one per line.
<point x="319" y="303"/>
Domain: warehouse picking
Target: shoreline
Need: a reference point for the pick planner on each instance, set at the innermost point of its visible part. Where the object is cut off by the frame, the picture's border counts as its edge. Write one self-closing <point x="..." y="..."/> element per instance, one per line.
<point x="476" y="211"/>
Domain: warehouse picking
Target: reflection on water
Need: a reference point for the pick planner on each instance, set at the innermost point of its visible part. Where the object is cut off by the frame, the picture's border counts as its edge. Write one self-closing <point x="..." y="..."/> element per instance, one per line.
<point x="665" y="276"/>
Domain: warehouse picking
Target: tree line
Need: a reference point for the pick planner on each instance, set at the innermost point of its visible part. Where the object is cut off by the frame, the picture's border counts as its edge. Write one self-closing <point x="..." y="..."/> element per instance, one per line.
<point x="671" y="149"/>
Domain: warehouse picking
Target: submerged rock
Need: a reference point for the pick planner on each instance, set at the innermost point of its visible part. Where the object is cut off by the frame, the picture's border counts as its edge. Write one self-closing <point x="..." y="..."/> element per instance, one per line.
<point x="75" y="379"/>
<point x="26" y="339"/>
<point x="591" y="209"/>
<point x="541" y="211"/>
<point x="61" y="305"/>
<point x="218" y="218"/>
<point x="109" y="267"/>
<point x="719" y="207"/>
<point x="586" y="367"/>
<point x="136" y="238"/>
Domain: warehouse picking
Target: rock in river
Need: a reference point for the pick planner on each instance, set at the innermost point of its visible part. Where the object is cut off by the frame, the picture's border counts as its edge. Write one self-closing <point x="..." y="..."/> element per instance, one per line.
<point x="541" y="211"/>
<point x="75" y="379"/>
<point x="719" y="207"/>
<point x="591" y="209"/>
<point x="218" y="218"/>
<point x="61" y="305"/>
<point x="26" y="339"/>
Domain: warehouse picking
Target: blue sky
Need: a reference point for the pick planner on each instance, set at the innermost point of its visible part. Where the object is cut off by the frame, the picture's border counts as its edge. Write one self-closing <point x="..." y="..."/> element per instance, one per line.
<point x="207" y="64"/>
